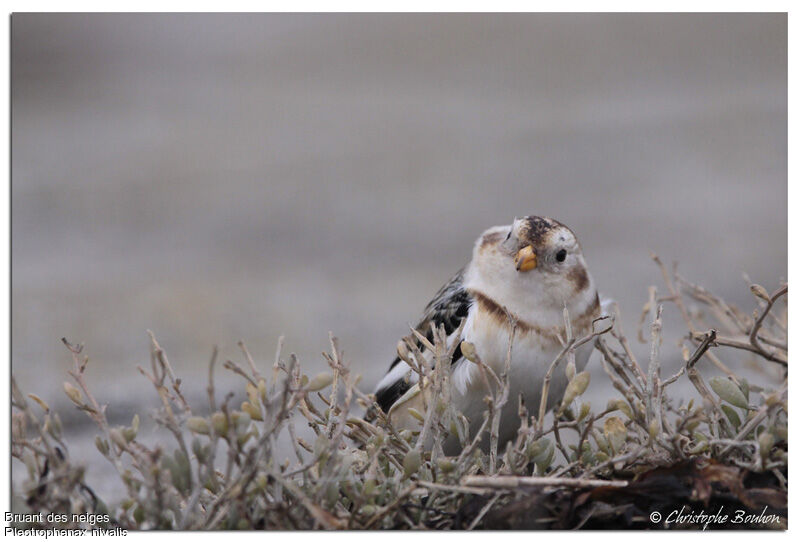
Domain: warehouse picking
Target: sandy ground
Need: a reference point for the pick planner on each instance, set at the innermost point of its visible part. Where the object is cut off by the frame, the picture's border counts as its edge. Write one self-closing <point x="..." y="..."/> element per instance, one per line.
<point x="217" y="178"/>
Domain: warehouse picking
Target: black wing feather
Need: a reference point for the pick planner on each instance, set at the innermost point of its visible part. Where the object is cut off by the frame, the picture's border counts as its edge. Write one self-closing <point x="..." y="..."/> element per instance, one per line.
<point x="448" y="307"/>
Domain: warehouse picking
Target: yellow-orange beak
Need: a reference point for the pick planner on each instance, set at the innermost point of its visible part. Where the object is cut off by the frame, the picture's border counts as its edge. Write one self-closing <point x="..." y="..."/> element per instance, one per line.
<point x="525" y="260"/>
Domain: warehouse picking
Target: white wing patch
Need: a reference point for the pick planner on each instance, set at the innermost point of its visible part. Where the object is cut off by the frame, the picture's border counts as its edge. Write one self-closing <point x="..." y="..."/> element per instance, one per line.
<point x="400" y="371"/>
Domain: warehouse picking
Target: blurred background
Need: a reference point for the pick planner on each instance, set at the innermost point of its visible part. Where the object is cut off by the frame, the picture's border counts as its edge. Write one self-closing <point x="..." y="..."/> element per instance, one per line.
<point x="224" y="177"/>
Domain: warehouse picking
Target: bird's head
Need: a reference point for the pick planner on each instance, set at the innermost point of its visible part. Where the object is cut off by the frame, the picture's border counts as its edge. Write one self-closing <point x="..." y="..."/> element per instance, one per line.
<point x="543" y="244"/>
<point x="537" y="255"/>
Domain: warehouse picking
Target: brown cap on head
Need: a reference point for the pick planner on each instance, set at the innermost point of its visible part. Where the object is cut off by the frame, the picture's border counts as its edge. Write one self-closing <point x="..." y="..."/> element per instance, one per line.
<point x="534" y="230"/>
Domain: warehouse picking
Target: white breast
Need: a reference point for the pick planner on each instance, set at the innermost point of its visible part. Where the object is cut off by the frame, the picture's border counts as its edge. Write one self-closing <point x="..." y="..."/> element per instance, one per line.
<point x="530" y="359"/>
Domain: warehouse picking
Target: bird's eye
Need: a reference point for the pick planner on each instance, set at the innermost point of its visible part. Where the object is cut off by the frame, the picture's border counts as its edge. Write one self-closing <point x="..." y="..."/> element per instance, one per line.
<point x="561" y="255"/>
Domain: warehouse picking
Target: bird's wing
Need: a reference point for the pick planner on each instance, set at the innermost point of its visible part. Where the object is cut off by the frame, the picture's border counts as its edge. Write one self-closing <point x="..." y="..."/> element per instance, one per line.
<point x="448" y="307"/>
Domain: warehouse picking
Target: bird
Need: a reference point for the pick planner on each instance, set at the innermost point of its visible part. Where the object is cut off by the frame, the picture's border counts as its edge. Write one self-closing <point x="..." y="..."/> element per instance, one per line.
<point x="529" y="271"/>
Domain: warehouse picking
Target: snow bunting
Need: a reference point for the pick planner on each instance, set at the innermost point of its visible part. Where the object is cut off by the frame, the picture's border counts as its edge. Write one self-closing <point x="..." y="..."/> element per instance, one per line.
<point x="533" y="269"/>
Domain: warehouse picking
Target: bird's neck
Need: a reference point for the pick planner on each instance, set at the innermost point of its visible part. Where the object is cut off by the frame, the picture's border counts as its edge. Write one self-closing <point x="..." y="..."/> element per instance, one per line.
<point x="539" y="305"/>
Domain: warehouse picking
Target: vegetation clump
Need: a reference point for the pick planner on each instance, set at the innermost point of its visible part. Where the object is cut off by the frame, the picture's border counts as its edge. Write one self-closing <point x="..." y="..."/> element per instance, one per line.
<point x="612" y="466"/>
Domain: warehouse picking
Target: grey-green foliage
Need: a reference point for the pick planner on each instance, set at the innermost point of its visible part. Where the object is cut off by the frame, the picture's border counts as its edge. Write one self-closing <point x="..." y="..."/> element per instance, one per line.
<point x="221" y="470"/>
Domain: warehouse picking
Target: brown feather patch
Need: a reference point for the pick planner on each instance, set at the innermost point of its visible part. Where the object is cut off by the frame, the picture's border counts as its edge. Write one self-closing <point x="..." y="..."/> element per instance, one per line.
<point x="535" y="229"/>
<point x="492" y="239"/>
<point x="581" y="324"/>
<point x="578" y="277"/>
<point x="496" y="312"/>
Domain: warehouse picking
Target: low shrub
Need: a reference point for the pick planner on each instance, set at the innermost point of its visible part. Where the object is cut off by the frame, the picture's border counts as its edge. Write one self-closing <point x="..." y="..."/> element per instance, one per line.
<point x="589" y="466"/>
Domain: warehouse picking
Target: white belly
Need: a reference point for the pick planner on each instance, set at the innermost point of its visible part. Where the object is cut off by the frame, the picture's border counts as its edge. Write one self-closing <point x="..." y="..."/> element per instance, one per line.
<point x="530" y="360"/>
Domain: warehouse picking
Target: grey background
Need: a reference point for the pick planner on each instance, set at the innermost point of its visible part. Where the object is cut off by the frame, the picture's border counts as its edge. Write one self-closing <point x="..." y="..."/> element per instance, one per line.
<point x="226" y="177"/>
